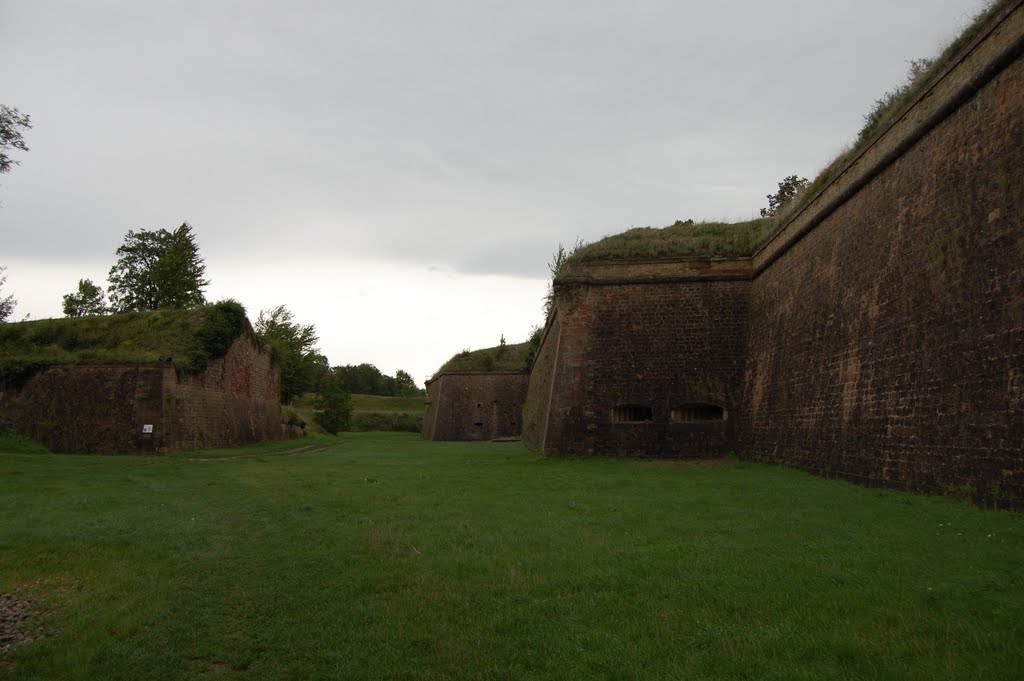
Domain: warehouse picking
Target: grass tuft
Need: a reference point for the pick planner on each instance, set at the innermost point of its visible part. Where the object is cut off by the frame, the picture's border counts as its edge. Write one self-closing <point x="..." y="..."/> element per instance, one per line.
<point x="499" y="358"/>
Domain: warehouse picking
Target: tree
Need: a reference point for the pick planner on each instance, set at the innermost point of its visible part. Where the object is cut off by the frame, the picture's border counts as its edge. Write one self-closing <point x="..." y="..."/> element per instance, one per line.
<point x="294" y="347"/>
<point x="361" y="379"/>
<point x="405" y="386"/>
<point x="88" y="300"/>
<point x="157" y="269"/>
<point x="6" y="304"/>
<point x="12" y="122"/>
<point x="335" y="405"/>
<point x="788" y="188"/>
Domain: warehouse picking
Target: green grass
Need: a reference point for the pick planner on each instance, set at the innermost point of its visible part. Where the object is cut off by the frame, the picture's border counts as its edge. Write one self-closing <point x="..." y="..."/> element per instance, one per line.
<point x="681" y="239"/>
<point x="189" y="337"/>
<point x="685" y="239"/>
<point x="386" y="557"/>
<point x="514" y="357"/>
<point x="388" y="405"/>
<point x="369" y="413"/>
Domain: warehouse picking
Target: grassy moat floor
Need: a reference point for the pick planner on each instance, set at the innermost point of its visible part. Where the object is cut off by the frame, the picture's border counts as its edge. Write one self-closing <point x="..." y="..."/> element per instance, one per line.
<point x="381" y="556"/>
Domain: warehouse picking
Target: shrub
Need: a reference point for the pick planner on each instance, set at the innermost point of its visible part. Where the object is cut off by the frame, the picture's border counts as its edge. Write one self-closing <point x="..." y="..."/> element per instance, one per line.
<point x="221" y="324"/>
<point x="335" y="406"/>
<point x="291" y="417"/>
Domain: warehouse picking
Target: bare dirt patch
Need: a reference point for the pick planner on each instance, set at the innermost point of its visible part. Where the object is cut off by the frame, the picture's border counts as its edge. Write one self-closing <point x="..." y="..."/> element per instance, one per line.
<point x="307" y="449"/>
<point x="14" y="615"/>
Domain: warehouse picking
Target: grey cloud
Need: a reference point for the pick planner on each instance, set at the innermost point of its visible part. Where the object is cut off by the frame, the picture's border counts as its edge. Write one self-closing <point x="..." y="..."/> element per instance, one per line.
<point x="471" y="135"/>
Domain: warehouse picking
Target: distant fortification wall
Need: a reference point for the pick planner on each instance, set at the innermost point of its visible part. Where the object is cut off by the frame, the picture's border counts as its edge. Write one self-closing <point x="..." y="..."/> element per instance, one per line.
<point x="886" y="339"/>
<point x="879" y="336"/>
<point x="645" y="361"/>
<point x="475" y="405"/>
<point x="236" y="401"/>
<point x="132" y="408"/>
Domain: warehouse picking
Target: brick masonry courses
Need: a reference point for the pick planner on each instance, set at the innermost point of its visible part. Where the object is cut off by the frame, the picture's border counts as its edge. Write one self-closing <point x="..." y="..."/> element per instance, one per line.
<point x="94" y="408"/>
<point x="653" y="346"/>
<point x="887" y="344"/>
<point x="475" y="405"/>
<point x="879" y="336"/>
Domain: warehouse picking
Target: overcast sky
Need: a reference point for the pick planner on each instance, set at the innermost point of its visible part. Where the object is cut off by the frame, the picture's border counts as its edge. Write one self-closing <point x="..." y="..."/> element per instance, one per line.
<point x="399" y="173"/>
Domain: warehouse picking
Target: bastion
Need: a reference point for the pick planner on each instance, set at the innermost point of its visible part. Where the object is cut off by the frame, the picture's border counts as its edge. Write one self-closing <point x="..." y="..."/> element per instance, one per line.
<point x="75" y="386"/>
<point x="478" y="395"/>
<point x="875" y="334"/>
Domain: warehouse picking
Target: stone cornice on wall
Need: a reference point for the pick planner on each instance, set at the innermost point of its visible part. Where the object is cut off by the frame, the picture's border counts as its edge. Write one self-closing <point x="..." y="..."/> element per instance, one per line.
<point x="475" y="373"/>
<point x="656" y="271"/>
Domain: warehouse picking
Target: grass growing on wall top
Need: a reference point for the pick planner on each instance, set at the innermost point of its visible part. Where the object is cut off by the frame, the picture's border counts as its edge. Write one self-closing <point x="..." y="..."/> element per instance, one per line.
<point x="687" y="238"/>
<point x="388" y="557"/>
<point x="680" y="239"/>
<point x="191" y="338"/>
<point x="499" y="358"/>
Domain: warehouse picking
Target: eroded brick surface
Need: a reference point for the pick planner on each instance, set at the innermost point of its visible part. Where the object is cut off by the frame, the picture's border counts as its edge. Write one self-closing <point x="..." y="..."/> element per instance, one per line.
<point x="105" y="408"/>
<point x="656" y="346"/>
<point x="879" y="337"/>
<point x="475" y="406"/>
<point x="887" y="346"/>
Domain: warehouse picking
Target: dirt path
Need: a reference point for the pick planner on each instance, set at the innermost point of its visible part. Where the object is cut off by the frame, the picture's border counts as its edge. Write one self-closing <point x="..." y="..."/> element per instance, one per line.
<point x="308" y="449"/>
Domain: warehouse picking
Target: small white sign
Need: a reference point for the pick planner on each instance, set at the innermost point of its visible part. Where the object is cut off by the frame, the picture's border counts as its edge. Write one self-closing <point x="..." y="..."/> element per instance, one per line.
<point x="147" y="428"/>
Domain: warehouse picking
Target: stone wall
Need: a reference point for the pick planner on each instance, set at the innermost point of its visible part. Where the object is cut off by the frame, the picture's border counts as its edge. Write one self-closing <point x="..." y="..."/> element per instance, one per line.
<point x="879" y="336"/>
<point x="236" y="401"/>
<point x="475" y="406"/>
<point x="634" y="360"/>
<point x="133" y="408"/>
<point x="887" y="323"/>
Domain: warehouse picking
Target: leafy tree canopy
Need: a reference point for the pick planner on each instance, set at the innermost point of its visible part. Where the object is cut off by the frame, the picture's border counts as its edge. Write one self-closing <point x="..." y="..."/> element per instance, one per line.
<point x="12" y="122"/>
<point x="294" y="347"/>
<point x="89" y="299"/>
<point x="157" y="269"/>
<point x="366" y="379"/>
<point x="788" y="189"/>
<point x="335" y="405"/>
<point x="405" y="386"/>
<point x="6" y="303"/>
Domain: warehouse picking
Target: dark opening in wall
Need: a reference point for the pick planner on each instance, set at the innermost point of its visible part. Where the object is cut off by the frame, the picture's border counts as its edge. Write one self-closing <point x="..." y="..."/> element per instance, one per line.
<point x="698" y="412"/>
<point x="632" y="413"/>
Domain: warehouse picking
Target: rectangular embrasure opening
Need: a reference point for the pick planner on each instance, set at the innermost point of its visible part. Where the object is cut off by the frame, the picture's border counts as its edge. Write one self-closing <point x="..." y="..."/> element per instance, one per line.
<point x="632" y="413"/>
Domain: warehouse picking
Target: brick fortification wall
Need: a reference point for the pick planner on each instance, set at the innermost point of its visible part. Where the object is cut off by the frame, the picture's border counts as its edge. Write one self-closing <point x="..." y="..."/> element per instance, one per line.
<point x="474" y="406"/>
<point x="887" y="340"/>
<point x="622" y="356"/>
<point x="236" y="401"/>
<point x="104" y="408"/>
<point x="879" y="336"/>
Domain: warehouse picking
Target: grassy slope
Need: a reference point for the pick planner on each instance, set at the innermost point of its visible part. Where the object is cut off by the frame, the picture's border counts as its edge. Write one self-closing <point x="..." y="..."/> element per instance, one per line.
<point x="133" y="337"/>
<point x="369" y="412"/>
<point x="385" y="557"/>
<point x="679" y="240"/>
<point x="724" y="239"/>
<point x="513" y="358"/>
<point x="388" y="405"/>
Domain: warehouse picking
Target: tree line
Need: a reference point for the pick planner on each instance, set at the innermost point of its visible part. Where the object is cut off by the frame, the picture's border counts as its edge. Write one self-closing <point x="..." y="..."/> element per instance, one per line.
<point x="161" y="269"/>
